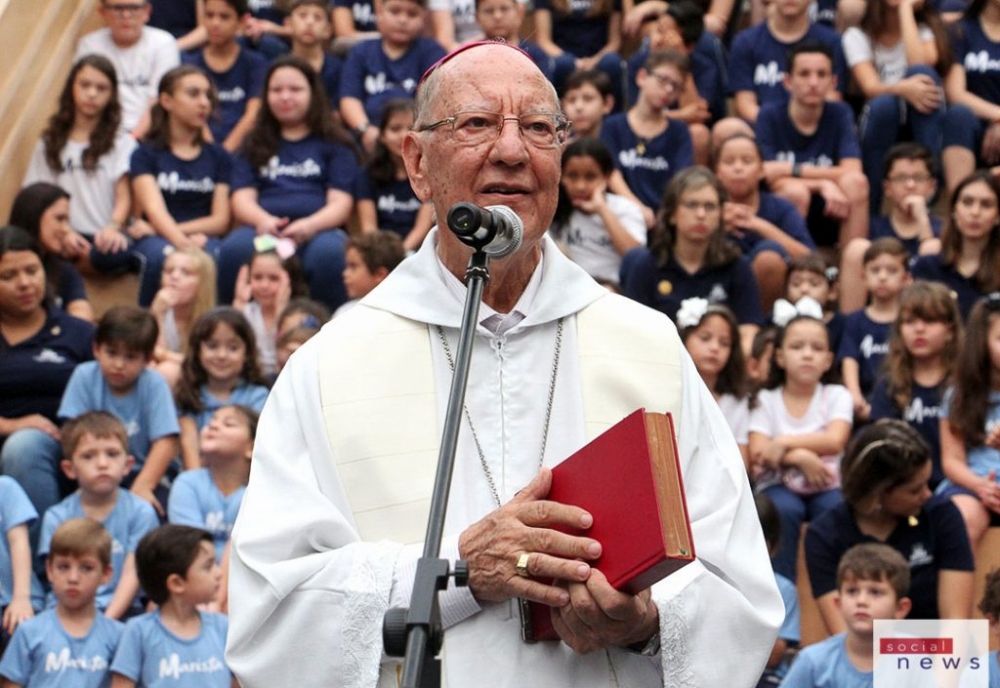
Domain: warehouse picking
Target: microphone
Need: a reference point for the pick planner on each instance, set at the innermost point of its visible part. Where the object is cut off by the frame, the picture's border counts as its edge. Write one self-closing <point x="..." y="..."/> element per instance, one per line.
<point x="496" y="229"/>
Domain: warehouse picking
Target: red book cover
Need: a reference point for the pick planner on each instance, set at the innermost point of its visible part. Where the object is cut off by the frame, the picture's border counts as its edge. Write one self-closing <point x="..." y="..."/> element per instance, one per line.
<point x="629" y="479"/>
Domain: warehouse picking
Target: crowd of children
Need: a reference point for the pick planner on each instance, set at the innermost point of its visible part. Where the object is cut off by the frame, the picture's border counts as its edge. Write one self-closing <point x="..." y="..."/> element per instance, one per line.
<point x="249" y="168"/>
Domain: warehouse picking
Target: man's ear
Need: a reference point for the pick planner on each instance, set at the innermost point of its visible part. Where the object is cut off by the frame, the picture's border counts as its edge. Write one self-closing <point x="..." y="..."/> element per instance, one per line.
<point x="413" y="158"/>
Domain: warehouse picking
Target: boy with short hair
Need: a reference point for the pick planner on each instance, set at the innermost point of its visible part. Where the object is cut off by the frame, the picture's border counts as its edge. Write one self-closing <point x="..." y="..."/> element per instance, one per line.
<point x="309" y="29"/>
<point x="811" y="151"/>
<point x="70" y="646"/>
<point x="909" y="185"/>
<point x="387" y="67"/>
<point x="141" y="55"/>
<point x="120" y="381"/>
<point x="587" y="100"/>
<point x="368" y="260"/>
<point x="873" y="580"/>
<point x="501" y="19"/>
<point x="649" y="148"/>
<point x="989" y="605"/>
<point x="96" y="448"/>
<point x="176" y="644"/>
<point x="865" y="341"/>
<point x="237" y="72"/>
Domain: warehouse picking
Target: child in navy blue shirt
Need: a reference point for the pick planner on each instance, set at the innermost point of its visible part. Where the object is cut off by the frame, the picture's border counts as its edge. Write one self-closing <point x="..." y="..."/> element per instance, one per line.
<point x="180" y="181"/>
<point x="70" y="646"/>
<point x="236" y="71"/>
<point x="384" y="196"/>
<point x="873" y="580"/>
<point x="909" y="186"/>
<point x="690" y="256"/>
<point x="811" y="151"/>
<point x="866" y="331"/>
<point x="923" y="349"/>
<point x="501" y="19"/>
<point x="309" y="27"/>
<point x="119" y="381"/>
<point x="96" y="450"/>
<point x="587" y="100"/>
<point x="386" y="67"/>
<point x="176" y="644"/>
<point x="581" y="35"/>
<point x="294" y="179"/>
<point x="647" y="146"/>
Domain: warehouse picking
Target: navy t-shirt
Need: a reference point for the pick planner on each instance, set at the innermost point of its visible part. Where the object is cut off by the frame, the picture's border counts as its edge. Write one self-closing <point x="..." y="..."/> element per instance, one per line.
<point x="938" y="542"/>
<point x="395" y="203"/>
<point x="867" y="342"/>
<point x="235" y="87"/>
<point x="979" y="56"/>
<point x="177" y="17"/>
<point x="647" y="165"/>
<point x="835" y="330"/>
<point x="35" y="372"/>
<point x="330" y="76"/>
<point x="267" y="9"/>
<point x="664" y="288"/>
<point x="783" y="215"/>
<point x="757" y="61"/>
<point x="294" y="182"/>
<point x="188" y="186"/>
<point x="579" y="32"/>
<point x="708" y="69"/>
<point x="373" y="78"/>
<point x="363" y="12"/>
<point x="880" y="226"/>
<point x="933" y="269"/>
<point x="922" y="413"/>
<point x="833" y="141"/>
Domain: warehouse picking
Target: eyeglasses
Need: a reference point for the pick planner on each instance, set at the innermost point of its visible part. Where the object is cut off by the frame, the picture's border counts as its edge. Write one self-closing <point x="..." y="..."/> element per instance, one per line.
<point x="667" y="82"/>
<point x="695" y="206"/>
<point x="474" y="128"/>
<point x="132" y="8"/>
<point x="915" y="178"/>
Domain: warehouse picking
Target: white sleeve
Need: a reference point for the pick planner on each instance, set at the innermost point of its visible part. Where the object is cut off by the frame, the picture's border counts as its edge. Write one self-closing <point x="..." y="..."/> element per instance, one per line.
<point x="857" y="47"/>
<point x="839" y="406"/>
<point x="719" y="616"/>
<point x="630" y="215"/>
<point x="306" y="595"/>
<point x="38" y="169"/>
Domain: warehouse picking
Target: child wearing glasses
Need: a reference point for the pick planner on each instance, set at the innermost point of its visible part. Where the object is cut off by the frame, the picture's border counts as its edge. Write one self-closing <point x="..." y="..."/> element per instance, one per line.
<point x="689" y="256"/>
<point x="909" y="185"/>
<point x="648" y="147"/>
<point x="141" y="55"/>
<point x="811" y="151"/>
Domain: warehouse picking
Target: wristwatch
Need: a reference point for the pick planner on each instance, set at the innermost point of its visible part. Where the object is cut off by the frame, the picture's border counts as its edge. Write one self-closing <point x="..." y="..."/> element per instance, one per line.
<point x="796" y="169"/>
<point x="648" y="649"/>
<point x="362" y="128"/>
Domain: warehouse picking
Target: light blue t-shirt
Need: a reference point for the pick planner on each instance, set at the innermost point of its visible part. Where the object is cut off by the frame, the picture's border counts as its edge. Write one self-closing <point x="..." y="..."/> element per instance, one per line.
<point x="994" y="670"/>
<point x="148" y="411"/>
<point x="825" y="665"/>
<point x="981" y="458"/>
<point x="127" y="523"/>
<point x="196" y="501"/>
<point x="790" y="627"/>
<point x="43" y="655"/>
<point x="243" y="394"/>
<point x="15" y="510"/>
<point x="153" y="657"/>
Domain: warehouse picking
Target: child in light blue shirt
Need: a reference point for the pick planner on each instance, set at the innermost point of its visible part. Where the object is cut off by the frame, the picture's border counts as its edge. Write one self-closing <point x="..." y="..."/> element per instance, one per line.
<point x="177" y="645"/>
<point x="70" y="646"/>
<point x="20" y="592"/>
<point x="789" y="634"/>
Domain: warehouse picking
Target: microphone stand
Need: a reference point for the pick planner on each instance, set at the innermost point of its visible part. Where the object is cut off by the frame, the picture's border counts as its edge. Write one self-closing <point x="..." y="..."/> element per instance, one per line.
<point x="416" y="633"/>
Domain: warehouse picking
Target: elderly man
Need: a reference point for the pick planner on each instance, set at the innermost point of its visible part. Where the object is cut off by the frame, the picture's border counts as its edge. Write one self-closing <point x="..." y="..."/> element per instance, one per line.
<point x="332" y="522"/>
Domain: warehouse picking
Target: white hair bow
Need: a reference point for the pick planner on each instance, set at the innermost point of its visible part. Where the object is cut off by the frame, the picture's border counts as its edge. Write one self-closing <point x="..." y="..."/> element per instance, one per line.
<point x="785" y="311"/>
<point x="691" y="312"/>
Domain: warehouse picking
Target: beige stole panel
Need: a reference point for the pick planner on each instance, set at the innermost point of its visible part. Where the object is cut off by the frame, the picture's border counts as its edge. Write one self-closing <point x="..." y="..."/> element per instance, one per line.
<point x="380" y="406"/>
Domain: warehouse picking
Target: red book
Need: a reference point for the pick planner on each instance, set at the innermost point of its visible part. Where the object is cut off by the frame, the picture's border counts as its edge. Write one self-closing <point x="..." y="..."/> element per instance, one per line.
<point x="629" y="479"/>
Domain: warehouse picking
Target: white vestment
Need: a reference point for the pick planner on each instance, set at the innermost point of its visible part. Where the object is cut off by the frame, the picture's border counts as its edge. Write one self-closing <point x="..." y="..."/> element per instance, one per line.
<point x="307" y="592"/>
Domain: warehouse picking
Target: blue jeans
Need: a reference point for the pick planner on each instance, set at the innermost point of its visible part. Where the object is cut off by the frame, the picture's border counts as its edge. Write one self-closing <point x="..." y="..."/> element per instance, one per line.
<point x="795" y="509"/>
<point x="962" y="128"/>
<point x="882" y="123"/>
<point x="322" y="259"/>
<point x="32" y="458"/>
<point x="152" y="251"/>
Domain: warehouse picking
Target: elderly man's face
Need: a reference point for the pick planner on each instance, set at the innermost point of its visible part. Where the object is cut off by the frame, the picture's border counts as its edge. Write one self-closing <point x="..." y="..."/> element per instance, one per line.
<point x="506" y="171"/>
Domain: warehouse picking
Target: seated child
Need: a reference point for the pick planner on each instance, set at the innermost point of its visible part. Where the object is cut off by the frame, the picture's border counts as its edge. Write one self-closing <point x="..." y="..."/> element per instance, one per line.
<point x="178" y="571"/>
<point x="587" y="100"/>
<point x="789" y="634"/>
<point x="17" y="581"/>
<point x="119" y="381"/>
<point x="96" y="447"/>
<point x="290" y="341"/>
<point x="70" y="646"/>
<point x="990" y="607"/>
<point x="873" y="580"/>
<point x="369" y="260"/>
<point x="811" y="276"/>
